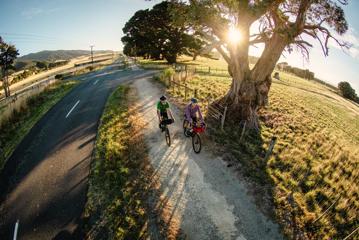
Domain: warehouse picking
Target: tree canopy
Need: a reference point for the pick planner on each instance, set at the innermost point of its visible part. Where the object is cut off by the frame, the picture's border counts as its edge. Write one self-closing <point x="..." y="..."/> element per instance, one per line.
<point x="154" y="34"/>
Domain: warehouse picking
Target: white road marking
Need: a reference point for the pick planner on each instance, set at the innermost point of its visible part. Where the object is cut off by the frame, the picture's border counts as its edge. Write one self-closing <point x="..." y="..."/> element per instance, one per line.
<point x="16" y="229"/>
<point x="95" y="82"/>
<point x="72" y="108"/>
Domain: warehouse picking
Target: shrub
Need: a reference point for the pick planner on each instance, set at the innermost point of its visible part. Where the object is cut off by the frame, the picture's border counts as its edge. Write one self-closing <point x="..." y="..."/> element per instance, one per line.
<point x="168" y="72"/>
<point x="347" y="91"/>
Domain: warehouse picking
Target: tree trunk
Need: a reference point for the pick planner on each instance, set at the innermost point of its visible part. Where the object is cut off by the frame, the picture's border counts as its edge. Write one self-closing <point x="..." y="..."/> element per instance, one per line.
<point x="171" y="58"/>
<point x="243" y="100"/>
<point x="250" y="88"/>
<point x="5" y="84"/>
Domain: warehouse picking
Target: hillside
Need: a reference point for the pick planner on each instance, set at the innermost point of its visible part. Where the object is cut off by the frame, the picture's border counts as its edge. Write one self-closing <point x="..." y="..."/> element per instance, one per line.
<point x="311" y="177"/>
<point x="51" y="56"/>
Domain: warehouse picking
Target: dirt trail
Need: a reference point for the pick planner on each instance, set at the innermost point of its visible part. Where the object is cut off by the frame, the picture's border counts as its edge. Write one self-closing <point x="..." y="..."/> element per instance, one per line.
<point x="206" y="198"/>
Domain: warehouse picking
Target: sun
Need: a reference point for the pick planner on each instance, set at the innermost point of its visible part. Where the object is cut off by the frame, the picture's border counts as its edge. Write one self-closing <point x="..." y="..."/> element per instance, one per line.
<point x="234" y="35"/>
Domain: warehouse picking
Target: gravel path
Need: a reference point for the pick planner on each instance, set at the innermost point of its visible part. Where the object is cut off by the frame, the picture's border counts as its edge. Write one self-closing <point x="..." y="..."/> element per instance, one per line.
<point x="207" y="199"/>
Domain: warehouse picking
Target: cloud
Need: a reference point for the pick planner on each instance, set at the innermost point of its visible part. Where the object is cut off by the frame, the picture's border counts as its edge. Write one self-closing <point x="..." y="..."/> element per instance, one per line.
<point x="352" y="38"/>
<point x="33" y="12"/>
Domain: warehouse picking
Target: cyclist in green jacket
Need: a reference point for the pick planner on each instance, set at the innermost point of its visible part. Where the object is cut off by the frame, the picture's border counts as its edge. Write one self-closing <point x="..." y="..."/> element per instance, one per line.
<point x="164" y="112"/>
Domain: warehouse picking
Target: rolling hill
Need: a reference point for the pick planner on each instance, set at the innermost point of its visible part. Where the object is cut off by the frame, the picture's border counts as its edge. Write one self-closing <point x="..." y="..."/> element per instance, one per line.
<point x="55" y="55"/>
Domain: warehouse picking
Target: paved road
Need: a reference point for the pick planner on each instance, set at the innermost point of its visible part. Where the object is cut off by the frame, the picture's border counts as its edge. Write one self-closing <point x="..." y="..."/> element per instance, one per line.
<point x="44" y="183"/>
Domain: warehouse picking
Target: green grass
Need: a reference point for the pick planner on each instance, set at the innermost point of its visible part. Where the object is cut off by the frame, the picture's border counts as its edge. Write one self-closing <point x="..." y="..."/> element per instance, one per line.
<point x="13" y="130"/>
<point x="116" y="206"/>
<point x="315" y="160"/>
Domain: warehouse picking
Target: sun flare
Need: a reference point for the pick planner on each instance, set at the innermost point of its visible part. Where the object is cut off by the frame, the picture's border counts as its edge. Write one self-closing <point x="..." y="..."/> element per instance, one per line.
<point x="234" y="35"/>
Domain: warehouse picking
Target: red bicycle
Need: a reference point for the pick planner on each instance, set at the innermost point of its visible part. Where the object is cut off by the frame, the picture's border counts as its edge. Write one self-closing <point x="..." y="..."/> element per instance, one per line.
<point x="194" y="132"/>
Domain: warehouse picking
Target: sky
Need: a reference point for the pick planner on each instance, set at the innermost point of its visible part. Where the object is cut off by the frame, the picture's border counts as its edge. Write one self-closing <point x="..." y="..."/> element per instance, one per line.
<point x="35" y="25"/>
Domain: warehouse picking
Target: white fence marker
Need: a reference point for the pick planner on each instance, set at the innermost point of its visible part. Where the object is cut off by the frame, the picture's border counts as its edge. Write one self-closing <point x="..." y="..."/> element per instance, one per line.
<point x="16" y="229"/>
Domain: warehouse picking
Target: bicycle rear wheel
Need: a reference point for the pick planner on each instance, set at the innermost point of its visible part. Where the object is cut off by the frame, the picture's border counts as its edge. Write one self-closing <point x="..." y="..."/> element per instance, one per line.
<point x="168" y="137"/>
<point x="196" y="143"/>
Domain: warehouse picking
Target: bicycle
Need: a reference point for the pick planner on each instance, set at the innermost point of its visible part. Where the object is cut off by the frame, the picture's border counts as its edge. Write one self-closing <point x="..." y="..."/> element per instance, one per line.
<point x="195" y="134"/>
<point x="165" y="129"/>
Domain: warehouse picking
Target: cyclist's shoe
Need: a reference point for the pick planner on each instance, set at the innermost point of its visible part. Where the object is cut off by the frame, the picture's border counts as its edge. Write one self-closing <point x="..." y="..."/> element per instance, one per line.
<point x="189" y="132"/>
<point x="161" y="126"/>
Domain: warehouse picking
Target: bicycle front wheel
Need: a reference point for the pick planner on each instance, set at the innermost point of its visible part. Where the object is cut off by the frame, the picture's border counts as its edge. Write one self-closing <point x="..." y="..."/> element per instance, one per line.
<point x="168" y="137"/>
<point x="196" y="143"/>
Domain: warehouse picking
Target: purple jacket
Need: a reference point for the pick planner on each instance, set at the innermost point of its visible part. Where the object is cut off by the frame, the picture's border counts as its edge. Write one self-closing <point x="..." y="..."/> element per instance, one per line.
<point x="191" y="113"/>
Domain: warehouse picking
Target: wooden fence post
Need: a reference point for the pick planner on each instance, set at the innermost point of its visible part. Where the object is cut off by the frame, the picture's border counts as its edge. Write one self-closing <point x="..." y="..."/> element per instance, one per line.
<point x="173" y="86"/>
<point x="270" y="149"/>
<point x="170" y="79"/>
<point x="243" y="130"/>
<point x="209" y="70"/>
<point x="196" y="93"/>
<point x="223" y="117"/>
<point x="185" y="91"/>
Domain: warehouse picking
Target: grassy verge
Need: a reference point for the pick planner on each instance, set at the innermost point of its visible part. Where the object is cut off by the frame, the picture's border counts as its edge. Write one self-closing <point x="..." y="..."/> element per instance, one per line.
<point x="316" y="157"/>
<point x="122" y="192"/>
<point x="13" y="130"/>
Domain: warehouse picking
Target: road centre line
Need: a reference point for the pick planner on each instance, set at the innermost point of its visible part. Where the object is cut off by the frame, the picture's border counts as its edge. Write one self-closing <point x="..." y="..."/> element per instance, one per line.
<point x="72" y="108"/>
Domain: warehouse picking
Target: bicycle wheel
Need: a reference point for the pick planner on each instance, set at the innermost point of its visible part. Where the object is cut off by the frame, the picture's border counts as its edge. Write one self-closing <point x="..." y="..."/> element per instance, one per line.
<point x="168" y="137"/>
<point x="196" y="143"/>
<point x="185" y="130"/>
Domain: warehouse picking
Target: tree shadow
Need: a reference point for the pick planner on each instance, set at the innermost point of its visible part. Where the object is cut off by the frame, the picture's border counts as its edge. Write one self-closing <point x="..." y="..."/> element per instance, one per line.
<point x="244" y="152"/>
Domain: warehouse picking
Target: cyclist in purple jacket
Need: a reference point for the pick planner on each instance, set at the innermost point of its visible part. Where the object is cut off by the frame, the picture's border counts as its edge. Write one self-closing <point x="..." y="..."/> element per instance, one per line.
<point x="193" y="112"/>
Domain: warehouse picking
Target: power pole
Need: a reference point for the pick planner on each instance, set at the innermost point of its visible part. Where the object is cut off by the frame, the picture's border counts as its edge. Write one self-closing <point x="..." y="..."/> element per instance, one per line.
<point x="92" y="53"/>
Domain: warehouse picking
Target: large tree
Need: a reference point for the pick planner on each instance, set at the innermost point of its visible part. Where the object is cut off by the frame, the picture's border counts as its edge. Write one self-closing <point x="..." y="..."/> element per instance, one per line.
<point x="277" y="25"/>
<point x="154" y="34"/>
<point x="8" y="54"/>
<point x="347" y="91"/>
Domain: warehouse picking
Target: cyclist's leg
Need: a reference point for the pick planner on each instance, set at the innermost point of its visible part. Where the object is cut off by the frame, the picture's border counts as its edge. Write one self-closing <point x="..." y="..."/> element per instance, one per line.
<point x="164" y="117"/>
<point x="194" y="120"/>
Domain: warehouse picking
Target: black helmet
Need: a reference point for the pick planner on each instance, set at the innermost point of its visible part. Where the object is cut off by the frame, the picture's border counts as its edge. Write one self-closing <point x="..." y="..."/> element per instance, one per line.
<point x="163" y="97"/>
<point x="194" y="100"/>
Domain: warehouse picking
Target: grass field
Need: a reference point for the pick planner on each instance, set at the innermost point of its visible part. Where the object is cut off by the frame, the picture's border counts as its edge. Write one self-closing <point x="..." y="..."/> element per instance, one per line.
<point x="315" y="163"/>
<point x="13" y="130"/>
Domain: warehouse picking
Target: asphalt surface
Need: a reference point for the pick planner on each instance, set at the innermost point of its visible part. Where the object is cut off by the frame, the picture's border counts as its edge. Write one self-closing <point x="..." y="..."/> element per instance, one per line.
<point x="44" y="183"/>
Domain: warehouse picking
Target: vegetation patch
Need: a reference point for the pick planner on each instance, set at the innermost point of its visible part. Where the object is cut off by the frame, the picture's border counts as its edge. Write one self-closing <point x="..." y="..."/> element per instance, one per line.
<point x="123" y="200"/>
<point x="312" y="175"/>
<point x="14" y="129"/>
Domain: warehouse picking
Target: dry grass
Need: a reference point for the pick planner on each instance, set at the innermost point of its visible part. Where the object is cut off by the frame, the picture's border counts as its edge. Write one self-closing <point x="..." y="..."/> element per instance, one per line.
<point x="316" y="157"/>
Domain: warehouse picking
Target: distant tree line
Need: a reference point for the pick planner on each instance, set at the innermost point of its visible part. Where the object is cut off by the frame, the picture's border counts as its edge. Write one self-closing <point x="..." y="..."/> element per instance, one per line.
<point x="303" y="73"/>
<point x="153" y="34"/>
<point x="347" y="91"/>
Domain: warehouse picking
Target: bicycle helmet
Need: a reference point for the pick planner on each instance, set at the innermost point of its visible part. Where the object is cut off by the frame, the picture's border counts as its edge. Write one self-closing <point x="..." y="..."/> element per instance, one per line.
<point x="194" y="100"/>
<point x="163" y="97"/>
